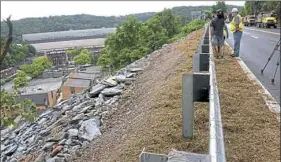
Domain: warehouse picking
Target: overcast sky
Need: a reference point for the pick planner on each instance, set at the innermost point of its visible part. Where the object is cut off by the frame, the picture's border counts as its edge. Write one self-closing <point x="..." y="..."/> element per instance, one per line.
<point x="24" y="9"/>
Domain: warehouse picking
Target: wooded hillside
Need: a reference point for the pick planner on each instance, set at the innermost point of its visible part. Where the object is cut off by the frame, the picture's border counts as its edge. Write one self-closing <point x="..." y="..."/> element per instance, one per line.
<point x="76" y="22"/>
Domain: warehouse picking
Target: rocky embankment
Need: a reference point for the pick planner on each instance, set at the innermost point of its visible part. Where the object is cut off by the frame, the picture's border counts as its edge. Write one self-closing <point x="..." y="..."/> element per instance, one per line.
<point x="58" y="133"/>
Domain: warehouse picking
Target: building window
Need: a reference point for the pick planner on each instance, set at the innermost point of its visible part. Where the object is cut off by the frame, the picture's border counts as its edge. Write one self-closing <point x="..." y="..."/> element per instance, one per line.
<point x="72" y="91"/>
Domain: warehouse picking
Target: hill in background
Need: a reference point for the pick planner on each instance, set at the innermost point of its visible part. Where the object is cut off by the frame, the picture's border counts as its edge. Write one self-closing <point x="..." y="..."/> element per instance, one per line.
<point x="83" y="21"/>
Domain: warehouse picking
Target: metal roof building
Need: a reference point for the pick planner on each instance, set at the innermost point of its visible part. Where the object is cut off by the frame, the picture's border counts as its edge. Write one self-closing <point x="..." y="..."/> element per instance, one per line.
<point x="99" y="42"/>
<point x="67" y="35"/>
<point x="71" y="82"/>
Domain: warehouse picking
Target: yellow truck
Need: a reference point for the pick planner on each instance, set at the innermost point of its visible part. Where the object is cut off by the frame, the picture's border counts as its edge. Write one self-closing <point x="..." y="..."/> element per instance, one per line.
<point x="266" y="20"/>
<point x="249" y="20"/>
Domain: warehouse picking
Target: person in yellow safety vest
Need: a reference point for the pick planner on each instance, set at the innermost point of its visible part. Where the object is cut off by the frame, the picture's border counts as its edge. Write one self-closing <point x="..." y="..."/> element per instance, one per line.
<point x="236" y="27"/>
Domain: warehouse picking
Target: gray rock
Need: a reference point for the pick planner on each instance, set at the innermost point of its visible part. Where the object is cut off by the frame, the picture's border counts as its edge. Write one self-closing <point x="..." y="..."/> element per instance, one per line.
<point x="89" y="130"/>
<point x="31" y="139"/>
<point x="97" y="89"/>
<point x="120" y="78"/>
<point x="62" y="142"/>
<point x="85" y="109"/>
<point x="111" y="91"/>
<point x="68" y="142"/>
<point x="77" y="118"/>
<point x="48" y="146"/>
<point x="22" y="148"/>
<point x="85" y="144"/>
<point x="129" y="75"/>
<point x="72" y="133"/>
<point x="13" y="160"/>
<point x="135" y="69"/>
<point x="42" y="121"/>
<point x="3" y="147"/>
<point x="11" y="150"/>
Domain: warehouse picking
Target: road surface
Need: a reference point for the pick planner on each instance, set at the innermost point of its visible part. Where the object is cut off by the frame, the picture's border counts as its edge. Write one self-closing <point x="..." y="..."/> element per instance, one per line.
<point x="256" y="46"/>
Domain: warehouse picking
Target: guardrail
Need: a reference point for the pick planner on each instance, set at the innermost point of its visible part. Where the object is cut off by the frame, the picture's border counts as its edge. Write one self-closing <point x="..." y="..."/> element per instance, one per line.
<point x="198" y="86"/>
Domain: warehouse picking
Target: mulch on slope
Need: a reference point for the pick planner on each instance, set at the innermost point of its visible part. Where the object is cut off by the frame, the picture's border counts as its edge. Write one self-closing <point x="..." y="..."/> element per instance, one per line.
<point x="150" y="114"/>
<point x="251" y="130"/>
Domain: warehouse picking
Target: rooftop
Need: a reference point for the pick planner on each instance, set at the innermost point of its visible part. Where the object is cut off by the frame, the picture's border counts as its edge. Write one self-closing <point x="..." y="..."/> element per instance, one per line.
<point x="82" y="76"/>
<point x="67" y="34"/>
<point x="69" y="44"/>
<point x="42" y="88"/>
<point x="77" y="83"/>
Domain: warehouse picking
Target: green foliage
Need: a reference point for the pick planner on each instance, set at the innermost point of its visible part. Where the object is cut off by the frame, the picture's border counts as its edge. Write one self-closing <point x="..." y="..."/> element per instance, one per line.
<point x="12" y="106"/>
<point x="43" y="61"/>
<point x="37" y="67"/>
<point x="82" y="59"/>
<point x="17" y="54"/>
<point x="72" y="53"/>
<point x="134" y="39"/>
<point x="220" y="5"/>
<point x="255" y="7"/>
<point x="20" y="80"/>
<point x="190" y="27"/>
<point x="170" y="22"/>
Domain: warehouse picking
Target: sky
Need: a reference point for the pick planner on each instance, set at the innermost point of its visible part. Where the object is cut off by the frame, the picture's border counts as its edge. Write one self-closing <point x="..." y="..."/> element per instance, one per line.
<point x="24" y="9"/>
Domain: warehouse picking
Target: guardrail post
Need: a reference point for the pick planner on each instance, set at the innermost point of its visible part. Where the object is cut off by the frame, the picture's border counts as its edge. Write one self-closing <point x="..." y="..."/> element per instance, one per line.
<point x="187" y="105"/>
<point x="195" y="88"/>
<point x="151" y="157"/>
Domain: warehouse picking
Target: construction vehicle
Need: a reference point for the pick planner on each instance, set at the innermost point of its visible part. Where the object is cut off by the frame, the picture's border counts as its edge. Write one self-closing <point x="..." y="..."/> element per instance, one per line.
<point x="249" y="20"/>
<point x="266" y="20"/>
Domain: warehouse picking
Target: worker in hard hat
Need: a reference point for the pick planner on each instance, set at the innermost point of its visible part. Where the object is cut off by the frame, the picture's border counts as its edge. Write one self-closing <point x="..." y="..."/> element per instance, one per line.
<point x="236" y="27"/>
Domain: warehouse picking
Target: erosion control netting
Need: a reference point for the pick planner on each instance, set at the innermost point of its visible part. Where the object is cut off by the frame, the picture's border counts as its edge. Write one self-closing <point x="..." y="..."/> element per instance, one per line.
<point x="251" y="130"/>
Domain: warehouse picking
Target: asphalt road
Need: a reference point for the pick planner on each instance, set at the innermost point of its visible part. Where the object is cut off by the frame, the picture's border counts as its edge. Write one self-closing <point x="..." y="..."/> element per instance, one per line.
<point x="256" y="46"/>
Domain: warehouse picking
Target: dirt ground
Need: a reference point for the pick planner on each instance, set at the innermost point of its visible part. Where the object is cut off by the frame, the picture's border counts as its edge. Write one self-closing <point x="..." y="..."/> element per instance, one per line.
<point x="150" y="114"/>
<point x="251" y="130"/>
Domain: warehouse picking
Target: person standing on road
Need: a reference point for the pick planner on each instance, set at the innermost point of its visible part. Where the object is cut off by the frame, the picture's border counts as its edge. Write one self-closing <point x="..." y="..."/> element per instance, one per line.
<point x="236" y="27"/>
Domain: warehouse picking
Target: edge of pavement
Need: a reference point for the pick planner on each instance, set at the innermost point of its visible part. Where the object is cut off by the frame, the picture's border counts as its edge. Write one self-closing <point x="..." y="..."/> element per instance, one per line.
<point x="267" y="97"/>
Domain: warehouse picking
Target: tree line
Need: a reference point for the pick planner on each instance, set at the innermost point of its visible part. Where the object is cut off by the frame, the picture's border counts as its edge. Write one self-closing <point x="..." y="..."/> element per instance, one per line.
<point x="255" y="7"/>
<point x="83" y="21"/>
<point x="135" y="39"/>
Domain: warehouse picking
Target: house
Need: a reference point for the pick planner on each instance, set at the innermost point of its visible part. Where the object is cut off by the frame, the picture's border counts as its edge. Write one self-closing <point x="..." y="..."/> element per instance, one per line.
<point x="74" y="86"/>
<point x="83" y="76"/>
<point x="43" y="96"/>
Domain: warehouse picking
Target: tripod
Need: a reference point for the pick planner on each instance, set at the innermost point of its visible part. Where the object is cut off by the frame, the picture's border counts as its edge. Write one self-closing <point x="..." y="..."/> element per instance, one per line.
<point x="276" y="48"/>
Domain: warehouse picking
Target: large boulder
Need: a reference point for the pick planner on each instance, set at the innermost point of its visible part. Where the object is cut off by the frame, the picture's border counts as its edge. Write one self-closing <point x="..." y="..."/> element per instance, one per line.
<point x="89" y="129"/>
<point x="111" y="92"/>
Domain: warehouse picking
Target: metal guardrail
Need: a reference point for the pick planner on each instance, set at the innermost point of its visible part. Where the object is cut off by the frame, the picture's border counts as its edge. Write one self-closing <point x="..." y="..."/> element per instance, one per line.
<point x="216" y="145"/>
<point x="199" y="86"/>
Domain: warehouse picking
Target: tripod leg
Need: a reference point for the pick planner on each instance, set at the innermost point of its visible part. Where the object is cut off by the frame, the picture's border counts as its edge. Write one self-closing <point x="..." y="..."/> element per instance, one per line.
<point x="275" y="49"/>
<point x="277" y="65"/>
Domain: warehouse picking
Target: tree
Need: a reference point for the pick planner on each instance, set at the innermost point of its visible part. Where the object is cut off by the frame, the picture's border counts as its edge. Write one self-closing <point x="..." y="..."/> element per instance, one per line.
<point x="43" y="61"/>
<point x="220" y="5"/>
<point x="8" y="42"/>
<point x="72" y="53"/>
<point x="82" y="59"/>
<point x="37" y="67"/>
<point x="170" y="22"/>
<point x="20" y="80"/>
<point x="12" y="106"/>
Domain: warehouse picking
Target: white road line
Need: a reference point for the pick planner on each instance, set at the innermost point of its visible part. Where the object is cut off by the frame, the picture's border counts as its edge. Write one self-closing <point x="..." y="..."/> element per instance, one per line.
<point x="254" y="37"/>
<point x="246" y="33"/>
<point x="263" y="31"/>
<point x="269" y="100"/>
